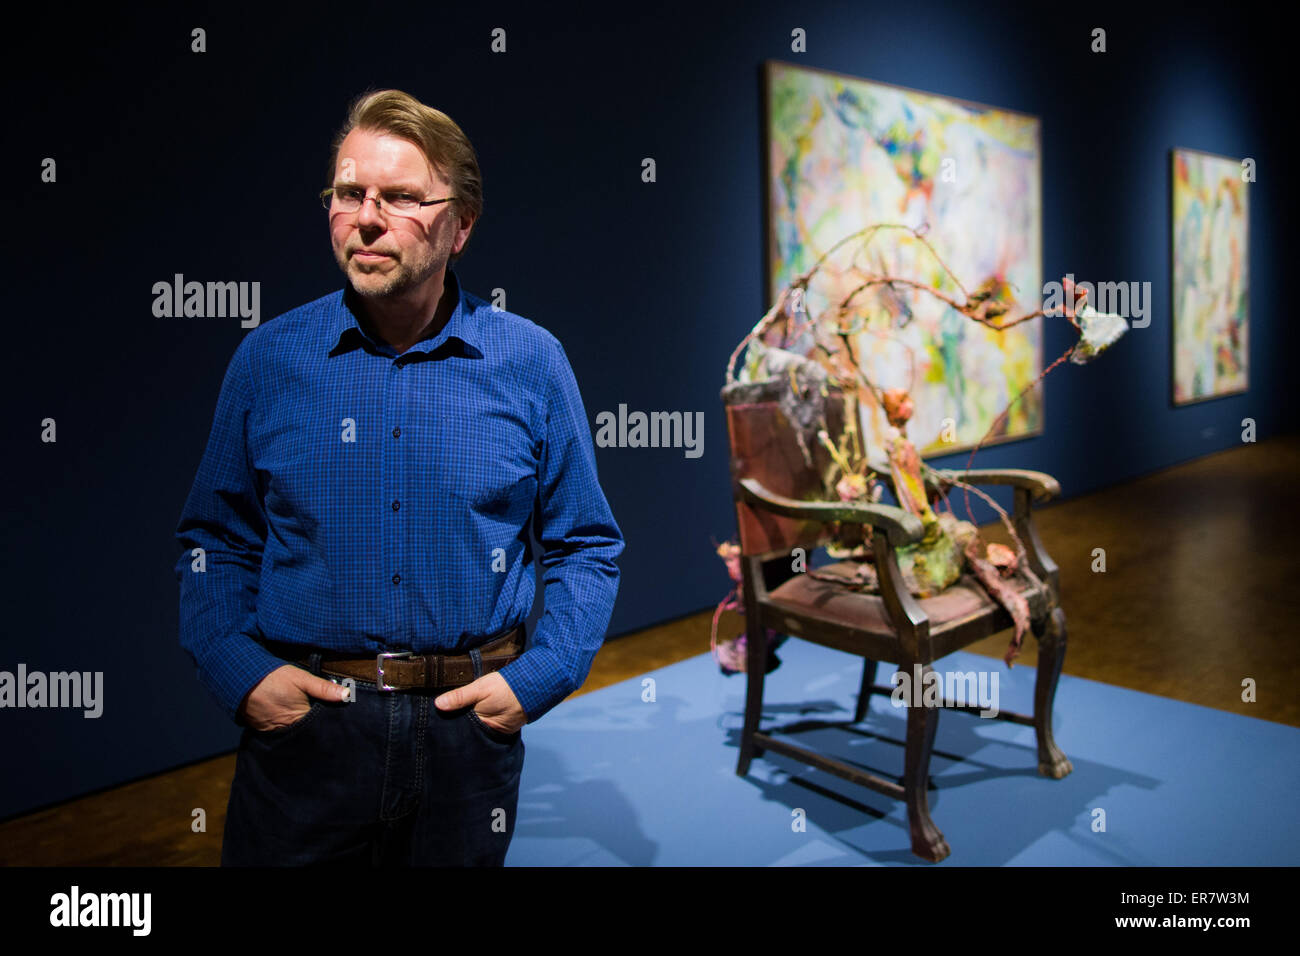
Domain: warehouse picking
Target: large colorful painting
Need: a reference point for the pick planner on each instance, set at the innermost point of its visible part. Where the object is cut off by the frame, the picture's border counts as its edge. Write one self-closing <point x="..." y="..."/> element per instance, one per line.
<point x="844" y="153"/>
<point x="1210" y="276"/>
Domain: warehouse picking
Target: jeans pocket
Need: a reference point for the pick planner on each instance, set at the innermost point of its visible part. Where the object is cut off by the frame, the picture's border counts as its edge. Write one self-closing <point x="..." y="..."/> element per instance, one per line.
<point x="283" y="733"/>
<point x="491" y="733"/>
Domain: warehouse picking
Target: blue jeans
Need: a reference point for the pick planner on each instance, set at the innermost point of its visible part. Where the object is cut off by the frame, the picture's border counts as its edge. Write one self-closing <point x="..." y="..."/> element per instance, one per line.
<point x="385" y="780"/>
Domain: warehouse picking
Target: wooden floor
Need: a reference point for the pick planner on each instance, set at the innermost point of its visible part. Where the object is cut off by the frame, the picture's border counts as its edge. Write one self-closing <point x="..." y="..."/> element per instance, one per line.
<point x="1200" y="592"/>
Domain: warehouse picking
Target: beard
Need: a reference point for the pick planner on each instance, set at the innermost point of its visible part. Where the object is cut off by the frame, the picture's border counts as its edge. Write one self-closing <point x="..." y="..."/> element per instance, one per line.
<point x="400" y="273"/>
<point x="386" y="278"/>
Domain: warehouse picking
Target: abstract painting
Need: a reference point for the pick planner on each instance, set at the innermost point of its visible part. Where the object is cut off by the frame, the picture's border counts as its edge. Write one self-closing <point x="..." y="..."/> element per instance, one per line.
<point x="843" y="153"/>
<point x="1210" y="276"/>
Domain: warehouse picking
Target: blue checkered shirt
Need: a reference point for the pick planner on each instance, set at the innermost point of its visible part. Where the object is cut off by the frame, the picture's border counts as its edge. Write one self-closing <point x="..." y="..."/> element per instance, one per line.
<point x="359" y="500"/>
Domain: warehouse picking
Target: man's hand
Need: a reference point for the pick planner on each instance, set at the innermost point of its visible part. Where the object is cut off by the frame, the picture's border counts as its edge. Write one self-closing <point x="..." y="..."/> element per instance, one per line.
<point x="283" y="697"/>
<point x="496" y="703"/>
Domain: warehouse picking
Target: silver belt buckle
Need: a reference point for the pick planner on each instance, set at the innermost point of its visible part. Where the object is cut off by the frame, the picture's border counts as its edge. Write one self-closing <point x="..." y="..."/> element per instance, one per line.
<point x="379" y="668"/>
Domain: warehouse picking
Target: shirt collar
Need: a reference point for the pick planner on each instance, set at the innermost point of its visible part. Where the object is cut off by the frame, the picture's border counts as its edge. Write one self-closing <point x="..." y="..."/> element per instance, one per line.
<point x="462" y="326"/>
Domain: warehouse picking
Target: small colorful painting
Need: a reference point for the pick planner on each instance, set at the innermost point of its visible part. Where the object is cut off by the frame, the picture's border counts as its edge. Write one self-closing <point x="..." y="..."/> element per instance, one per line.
<point x="1211" y="301"/>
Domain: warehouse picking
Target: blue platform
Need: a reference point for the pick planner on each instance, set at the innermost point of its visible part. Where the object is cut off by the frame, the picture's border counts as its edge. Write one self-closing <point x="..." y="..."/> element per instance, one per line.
<point x="613" y="779"/>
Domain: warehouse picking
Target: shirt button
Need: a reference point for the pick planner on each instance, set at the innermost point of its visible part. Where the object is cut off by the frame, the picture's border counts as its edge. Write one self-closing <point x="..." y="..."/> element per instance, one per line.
<point x="397" y="432"/>
<point x="397" y="579"/>
<point x="396" y="505"/>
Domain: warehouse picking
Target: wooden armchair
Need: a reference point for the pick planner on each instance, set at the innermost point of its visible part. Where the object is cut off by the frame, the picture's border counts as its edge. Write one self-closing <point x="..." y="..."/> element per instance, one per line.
<point x="771" y="483"/>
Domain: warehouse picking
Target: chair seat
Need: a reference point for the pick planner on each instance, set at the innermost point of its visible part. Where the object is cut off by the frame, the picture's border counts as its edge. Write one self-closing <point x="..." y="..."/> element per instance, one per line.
<point x="961" y="603"/>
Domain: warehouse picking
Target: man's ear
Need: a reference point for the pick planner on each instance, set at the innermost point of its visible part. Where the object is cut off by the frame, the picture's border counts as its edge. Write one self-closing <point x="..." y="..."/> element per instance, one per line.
<point x="466" y="224"/>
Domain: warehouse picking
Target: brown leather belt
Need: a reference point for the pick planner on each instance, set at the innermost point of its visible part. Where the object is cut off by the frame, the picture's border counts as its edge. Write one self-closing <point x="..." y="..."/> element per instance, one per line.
<point x="403" y="670"/>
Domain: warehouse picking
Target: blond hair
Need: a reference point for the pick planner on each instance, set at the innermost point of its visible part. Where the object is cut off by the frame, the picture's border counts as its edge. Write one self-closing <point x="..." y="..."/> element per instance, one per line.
<point x="438" y="137"/>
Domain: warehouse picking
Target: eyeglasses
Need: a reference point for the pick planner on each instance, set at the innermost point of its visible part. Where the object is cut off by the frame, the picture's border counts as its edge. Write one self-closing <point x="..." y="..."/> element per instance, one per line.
<point x="351" y="198"/>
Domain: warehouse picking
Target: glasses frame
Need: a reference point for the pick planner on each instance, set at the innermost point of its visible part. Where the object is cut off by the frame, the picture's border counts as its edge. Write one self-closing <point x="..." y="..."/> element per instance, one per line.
<point x="327" y="201"/>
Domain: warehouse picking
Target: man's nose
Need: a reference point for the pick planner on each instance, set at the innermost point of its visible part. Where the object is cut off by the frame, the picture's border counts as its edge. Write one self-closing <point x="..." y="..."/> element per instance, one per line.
<point x="368" y="214"/>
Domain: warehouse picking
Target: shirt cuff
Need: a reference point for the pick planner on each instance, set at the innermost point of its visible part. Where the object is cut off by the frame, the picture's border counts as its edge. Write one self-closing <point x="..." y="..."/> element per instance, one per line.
<point x="234" y="668"/>
<point x="539" y="681"/>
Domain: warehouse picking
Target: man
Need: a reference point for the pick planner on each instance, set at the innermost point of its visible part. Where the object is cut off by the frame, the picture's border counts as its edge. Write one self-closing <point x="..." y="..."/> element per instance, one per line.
<point x="357" y="563"/>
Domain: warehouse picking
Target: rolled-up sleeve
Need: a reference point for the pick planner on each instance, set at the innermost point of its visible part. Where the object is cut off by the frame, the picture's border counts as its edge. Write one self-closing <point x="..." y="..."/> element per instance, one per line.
<point x="222" y="530"/>
<point x="580" y="541"/>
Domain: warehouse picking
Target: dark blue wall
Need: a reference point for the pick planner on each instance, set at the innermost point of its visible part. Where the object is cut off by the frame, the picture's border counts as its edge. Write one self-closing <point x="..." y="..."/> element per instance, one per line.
<point x="648" y="286"/>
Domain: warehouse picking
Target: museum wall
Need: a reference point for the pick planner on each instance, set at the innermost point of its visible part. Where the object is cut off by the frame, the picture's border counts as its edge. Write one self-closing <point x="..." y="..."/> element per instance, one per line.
<point x="208" y="165"/>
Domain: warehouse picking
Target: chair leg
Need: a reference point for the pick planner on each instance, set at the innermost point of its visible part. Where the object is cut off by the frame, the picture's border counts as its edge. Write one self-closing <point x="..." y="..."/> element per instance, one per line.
<point x="1051" y="657"/>
<point x="755" y="671"/>
<point x="864" y="692"/>
<point x="922" y="722"/>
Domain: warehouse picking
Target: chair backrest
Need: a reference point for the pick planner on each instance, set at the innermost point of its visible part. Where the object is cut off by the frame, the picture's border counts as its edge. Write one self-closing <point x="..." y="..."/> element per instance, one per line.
<point x="765" y="446"/>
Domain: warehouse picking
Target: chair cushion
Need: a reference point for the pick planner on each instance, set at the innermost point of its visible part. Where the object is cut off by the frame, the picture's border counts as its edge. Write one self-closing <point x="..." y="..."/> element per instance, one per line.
<point x="805" y="595"/>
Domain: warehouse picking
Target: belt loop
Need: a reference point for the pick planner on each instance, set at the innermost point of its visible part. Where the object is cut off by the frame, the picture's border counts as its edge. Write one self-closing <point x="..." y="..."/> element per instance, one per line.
<point x="477" y="658"/>
<point x="313" y="662"/>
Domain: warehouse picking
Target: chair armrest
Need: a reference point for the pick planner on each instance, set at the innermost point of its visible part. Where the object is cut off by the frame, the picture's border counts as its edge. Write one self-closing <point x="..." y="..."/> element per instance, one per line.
<point x="900" y="526"/>
<point x="1041" y="486"/>
<point x="1028" y="486"/>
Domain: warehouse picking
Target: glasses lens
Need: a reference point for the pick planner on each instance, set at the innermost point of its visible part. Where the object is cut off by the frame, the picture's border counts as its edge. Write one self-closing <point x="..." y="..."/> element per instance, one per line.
<point x="347" y="199"/>
<point x="401" y="202"/>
